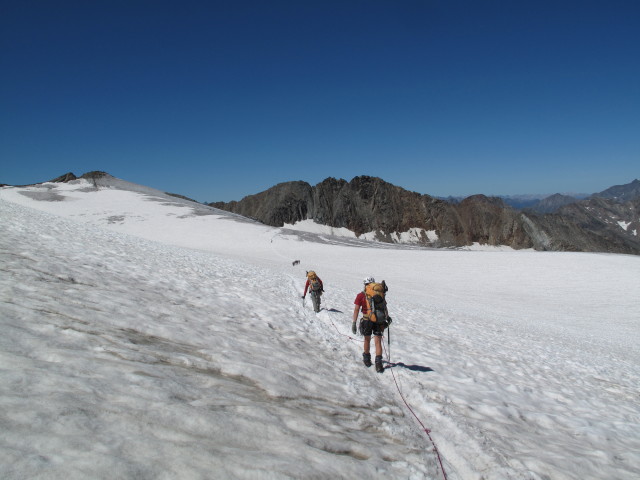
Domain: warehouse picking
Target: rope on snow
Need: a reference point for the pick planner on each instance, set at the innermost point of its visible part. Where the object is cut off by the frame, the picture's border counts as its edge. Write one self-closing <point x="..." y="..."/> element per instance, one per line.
<point x="425" y="429"/>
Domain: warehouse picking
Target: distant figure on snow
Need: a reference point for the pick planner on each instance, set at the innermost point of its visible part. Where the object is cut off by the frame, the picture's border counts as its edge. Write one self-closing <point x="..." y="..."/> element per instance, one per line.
<point x="315" y="287"/>
<point x="296" y="262"/>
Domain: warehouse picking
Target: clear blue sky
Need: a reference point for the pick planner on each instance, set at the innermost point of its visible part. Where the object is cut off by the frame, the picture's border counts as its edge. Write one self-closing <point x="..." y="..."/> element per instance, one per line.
<point x="220" y="99"/>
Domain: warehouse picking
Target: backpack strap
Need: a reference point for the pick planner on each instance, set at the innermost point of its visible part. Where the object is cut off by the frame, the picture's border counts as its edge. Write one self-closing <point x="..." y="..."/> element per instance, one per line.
<point x="366" y="316"/>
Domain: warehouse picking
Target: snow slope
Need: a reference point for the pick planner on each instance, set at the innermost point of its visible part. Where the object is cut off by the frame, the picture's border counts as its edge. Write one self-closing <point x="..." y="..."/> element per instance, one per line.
<point x="145" y="336"/>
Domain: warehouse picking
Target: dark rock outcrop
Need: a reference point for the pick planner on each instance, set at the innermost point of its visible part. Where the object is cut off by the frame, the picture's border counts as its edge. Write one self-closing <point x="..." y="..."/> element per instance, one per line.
<point x="489" y="221"/>
<point x="284" y="203"/>
<point x="369" y="204"/>
<point x="604" y="225"/>
<point x="365" y="204"/>
<point x="67" y="177"/>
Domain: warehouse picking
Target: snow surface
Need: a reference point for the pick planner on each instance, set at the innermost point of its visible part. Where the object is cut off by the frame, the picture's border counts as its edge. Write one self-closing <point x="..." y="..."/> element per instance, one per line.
<point x="412" y="236"/>
<point x="624" y="225"/>
<point x="145" y="336"/>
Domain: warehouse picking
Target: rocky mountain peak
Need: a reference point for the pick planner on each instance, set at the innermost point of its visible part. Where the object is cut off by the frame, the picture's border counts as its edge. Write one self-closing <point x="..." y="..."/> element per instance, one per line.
<point x="67" y="177"/>
<point x="372" y="206"/>
<point x="621" y="193"/>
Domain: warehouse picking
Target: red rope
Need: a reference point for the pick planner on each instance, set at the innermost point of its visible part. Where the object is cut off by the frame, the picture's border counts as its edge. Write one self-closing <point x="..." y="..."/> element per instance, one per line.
<point x="425" y="429"/>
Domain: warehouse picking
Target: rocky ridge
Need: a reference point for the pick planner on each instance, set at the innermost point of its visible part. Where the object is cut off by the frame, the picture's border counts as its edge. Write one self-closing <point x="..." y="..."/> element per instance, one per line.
<point x="605" y="222"/>
<point x="621" y="193"/>
<point x="369" y="204"/>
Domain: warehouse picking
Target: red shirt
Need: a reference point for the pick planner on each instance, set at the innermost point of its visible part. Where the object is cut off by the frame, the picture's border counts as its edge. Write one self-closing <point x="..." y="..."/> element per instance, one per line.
<point x="361" y="300"/>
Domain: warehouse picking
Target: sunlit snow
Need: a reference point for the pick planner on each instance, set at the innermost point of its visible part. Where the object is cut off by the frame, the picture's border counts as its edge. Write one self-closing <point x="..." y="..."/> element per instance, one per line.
<point x="624" y="225"/>
<point x="144" y="336"/>
<point x="412" y="236"/>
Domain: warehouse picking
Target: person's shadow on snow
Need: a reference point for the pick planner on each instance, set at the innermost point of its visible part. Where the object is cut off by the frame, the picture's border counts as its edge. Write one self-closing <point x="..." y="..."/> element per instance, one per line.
<point x="333" y="310"/>
<point x="414" y="368"/>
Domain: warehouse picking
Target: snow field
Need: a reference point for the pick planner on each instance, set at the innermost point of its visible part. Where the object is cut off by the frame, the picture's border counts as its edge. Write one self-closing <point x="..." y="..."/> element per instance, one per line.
<point x="173" y="361"/>
<point x="171" y="366"/>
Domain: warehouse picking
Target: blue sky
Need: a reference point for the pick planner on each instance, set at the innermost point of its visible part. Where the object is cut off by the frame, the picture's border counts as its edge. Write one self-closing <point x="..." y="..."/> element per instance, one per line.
<point x="218" y="100"/>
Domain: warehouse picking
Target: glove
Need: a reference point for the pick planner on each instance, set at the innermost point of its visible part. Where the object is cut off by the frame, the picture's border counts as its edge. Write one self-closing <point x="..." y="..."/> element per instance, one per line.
<point x="303" y="297"/>
<point x="389" y="320"/>
<point x="353" y="327"/>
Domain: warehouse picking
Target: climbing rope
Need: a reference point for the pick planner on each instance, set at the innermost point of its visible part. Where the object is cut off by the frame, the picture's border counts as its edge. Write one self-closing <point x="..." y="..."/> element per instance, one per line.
<point x="425" y="429"/>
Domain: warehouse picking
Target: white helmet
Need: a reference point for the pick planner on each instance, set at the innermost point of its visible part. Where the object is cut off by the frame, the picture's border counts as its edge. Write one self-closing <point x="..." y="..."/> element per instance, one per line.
<point x="369" y="280"/>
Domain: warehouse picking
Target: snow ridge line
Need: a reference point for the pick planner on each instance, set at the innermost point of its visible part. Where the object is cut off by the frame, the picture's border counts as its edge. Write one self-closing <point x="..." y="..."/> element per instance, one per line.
<point x="426" y="430"/>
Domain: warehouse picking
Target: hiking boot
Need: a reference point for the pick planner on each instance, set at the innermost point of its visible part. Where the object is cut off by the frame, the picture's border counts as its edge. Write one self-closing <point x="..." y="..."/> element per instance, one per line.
<point x="379" y="367"/>
<point x="366" y="358"/>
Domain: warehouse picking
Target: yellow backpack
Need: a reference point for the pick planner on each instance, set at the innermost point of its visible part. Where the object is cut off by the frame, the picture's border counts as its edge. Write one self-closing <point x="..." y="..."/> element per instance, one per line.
<point x="314" y="281"/>
<point x="377" y="311"/>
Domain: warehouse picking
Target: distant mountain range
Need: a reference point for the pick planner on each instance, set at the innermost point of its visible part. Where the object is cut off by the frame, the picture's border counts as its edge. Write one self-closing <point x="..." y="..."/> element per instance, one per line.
<point x="608" y="221"/>
<point x="524" y="201"/>
<point x="618" y="193"/>
<point x="371" y="208"/>
<point x="551" y="203"/>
